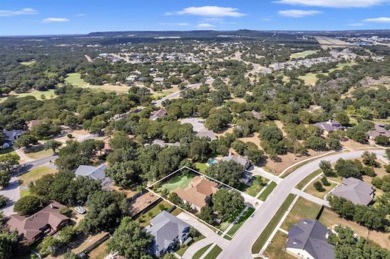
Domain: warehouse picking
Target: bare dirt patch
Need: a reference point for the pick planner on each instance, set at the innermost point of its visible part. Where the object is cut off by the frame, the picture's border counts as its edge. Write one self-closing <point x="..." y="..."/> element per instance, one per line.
<point x="255" y="140"/>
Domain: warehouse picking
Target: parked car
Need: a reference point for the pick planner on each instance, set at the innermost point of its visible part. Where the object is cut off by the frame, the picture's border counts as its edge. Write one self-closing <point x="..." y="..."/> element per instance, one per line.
<point x="80" y="210"/>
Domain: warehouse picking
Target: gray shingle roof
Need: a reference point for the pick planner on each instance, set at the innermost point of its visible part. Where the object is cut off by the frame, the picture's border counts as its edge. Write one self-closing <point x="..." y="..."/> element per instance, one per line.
<point x="355" y="190"/>
<point x="238" y="159"/>
<point x="311" y="236"/>
<point x="165" y="229"/>
<point x="96" y="173"/>
<point x="329" y="126"/>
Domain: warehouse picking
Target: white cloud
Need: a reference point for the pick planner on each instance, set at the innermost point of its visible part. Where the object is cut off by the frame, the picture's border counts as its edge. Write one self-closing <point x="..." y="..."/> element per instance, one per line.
<point x="205" y="26"/>
<point x="209" y="11"/>
<point x="50" y="20"/>
<point x="378" y="20"/>
<point x="24" y="11"/>
<point x="334" y="3"/>
<point x="298" y="13"/>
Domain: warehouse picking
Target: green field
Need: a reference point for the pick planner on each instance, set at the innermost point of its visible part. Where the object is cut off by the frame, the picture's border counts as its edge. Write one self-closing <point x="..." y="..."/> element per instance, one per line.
<point x="201" y="167"/>
<point x="178" y="181"/>
<point x="263" y="196"/>
<point x="40" y="154"/>
<point x="76" y="80"/>
<point x="39" y="95"/>
<point x="260" y="242"/>
<point x="303" y="54"/>
<point x="213" y="253"/>
<point x="201" y="251"/>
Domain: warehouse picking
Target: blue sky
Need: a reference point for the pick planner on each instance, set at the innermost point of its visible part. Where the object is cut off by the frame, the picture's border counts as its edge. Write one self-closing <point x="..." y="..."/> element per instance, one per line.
<point x="37" y="17"/>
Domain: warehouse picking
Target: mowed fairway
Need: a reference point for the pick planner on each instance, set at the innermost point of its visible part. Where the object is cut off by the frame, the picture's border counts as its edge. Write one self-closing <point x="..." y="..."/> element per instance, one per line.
<point x="39" y="95"/>
<point x="76" y="80"/>
<point x="303" y="54"/>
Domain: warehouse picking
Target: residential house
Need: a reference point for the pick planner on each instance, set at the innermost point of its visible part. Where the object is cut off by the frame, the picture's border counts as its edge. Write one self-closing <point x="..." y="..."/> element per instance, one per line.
<point x="247" y="177"/>
<point x="95" y="173"/>
<point x="159" y="114"/>
<point x="164" y="144"/>
<point x="355" y="190"/>
<point x="308" y="240"/>
<point x="9" y="137"/>
<point x="167" y="231"/>
<point x="32" y="228"/>
<point x="329" y="126"/>
<point x="198" y="192"/>
<point x="379" y="130"/>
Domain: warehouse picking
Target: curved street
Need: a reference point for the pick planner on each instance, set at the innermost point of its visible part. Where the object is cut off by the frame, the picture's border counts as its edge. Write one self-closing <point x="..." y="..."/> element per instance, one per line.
<point x="241" y="245"/>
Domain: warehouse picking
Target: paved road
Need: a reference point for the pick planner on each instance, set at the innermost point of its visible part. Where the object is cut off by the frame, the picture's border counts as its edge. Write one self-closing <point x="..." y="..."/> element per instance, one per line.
<point x="12" y="191"/>
<point x="241" y="245"/>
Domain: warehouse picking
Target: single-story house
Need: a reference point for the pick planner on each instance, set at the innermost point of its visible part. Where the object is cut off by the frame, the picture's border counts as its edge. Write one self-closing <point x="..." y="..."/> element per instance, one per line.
<point x="308" y="240"/>
<point x="95" y="173"/>
<point x="12" y="135"/>
<point x="379" y="130"/>
<point x="164" y="144"/>
<point x="159" y="114"/>
<point x="32" y="228"/>
<point x="355" y="190"/>
<point x="198" y="192"/>
<point x="238" y="159"/>
<point x="329" y="126"/>
<point x="167" y="231"/>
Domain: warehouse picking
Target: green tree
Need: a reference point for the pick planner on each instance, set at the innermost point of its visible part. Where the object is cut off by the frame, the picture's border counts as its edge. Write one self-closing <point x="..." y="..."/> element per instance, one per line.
<point x="382" y="140"/>
<point x="3" y="201"/>
<point x="227" y="203"/>
<point x="27" y="205"/>
<point x="228" y="172"/>
<point x="207" y="214"/>
<point x="8" y="162"/>
<point x="342" y="118"/>
<point x="53" y="145"/>
<point x="125" y="174"/>
<point x="130" y="240"/>
<point x="5" y="178"/>
<point x="318" y="186"/>
<point x="26" y="140"/>
<point x="326" y="167"/>
<point x="8" y="244"/>
<point x="369" y="159"/>
<point x="315" y="143"/>
<point x="105" y="211"/>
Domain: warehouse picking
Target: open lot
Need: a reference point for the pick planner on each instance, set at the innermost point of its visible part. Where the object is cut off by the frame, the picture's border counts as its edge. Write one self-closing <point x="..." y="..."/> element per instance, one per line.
<point x="35" y="174"/>
<point x="330" y="218"/>
<point x="76" y="80"/>
<point x="40" y="154"/>
<point x="276" y="248"/>
<point x="303" y="209"/>
<point x="327" y="42"/>
<point x="311" y="190"/>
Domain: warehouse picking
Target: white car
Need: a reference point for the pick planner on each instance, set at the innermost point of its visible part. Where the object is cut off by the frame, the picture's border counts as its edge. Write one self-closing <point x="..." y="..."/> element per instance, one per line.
<point x="80" y="209"/>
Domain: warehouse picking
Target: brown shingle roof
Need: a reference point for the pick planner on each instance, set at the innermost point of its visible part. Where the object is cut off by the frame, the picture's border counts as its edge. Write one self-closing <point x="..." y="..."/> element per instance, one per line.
<point x="197" y="191"/>
<point x="30" y="227"/>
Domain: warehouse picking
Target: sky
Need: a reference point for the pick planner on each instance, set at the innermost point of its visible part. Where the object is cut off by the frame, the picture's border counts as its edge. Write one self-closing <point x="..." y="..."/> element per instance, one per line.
<point x="48" y="17"/>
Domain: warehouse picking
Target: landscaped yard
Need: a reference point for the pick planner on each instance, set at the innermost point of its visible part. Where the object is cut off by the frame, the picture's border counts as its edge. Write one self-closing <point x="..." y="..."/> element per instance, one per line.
<point x="260" y="242"/>
<point x="201" y="251"/>
<point x="35" y="174"/>
<point x="256" y="186"/>
<point x="276" y="247"/>
<point x="263" y="196"/>
<point x="308" y="179"/>
<point x="242" y="220"/>
<point x="184" y="248"/>
<point x="178" y="181"/>
<point x="311" y="190"/>
<point x="303" y="209"/>
<point x="213" y="253"/>
<point x="144" y="219"/>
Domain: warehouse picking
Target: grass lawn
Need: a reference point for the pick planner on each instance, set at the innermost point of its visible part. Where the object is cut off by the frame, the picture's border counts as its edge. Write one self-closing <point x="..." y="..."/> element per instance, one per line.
<point x="176" y="212"/>
<point x="178" y="181"/>
<point x="183" y="249"/>
<point x="40" y="154"/>
<point x="260" y="242"/>
<point x="201" y="167"/>
<point x="256" y="186"/>
<point x="75" y="79"/>
<point x="309" y="78"/>
<point x="302" y="209"/>
<point x="303" y="54"/>
<point x="35" y="174"/>
<point x="244" y="217"/>
<point x="308" y="179"/>
<point x="263" y="196"/>
<point x="145" y="218"/>
<point x="99" y="252"/>
<point x="276" y="247"/>
<point x="213" y="253"/>
<point x="201" y="251"/>
<point x="24" y="192"/>
<point x="40" y="95"/>
<point x="311" y="190"/>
